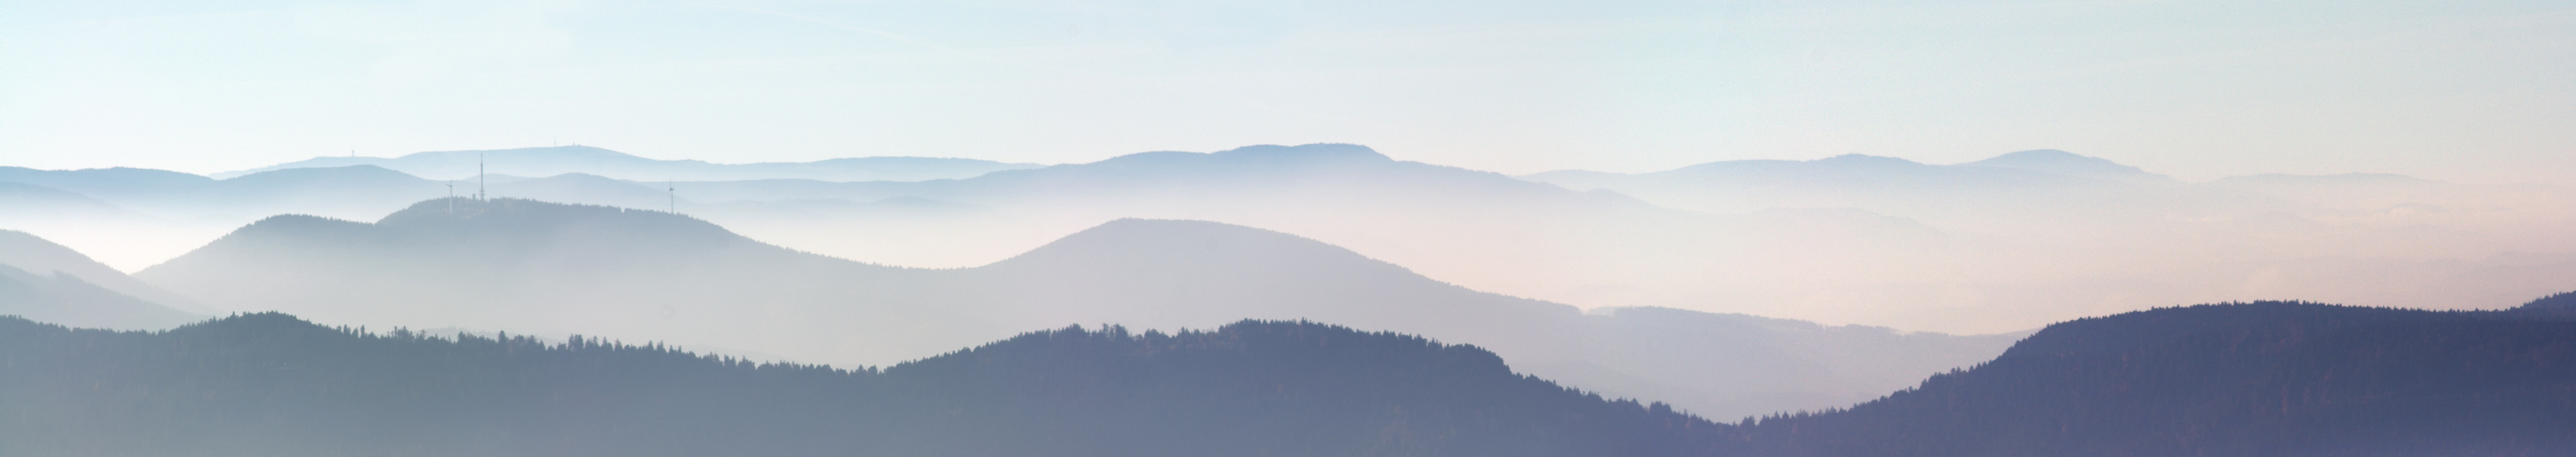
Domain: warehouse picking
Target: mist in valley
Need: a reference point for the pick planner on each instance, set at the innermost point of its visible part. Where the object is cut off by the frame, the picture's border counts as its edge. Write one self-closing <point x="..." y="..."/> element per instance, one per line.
<point x="2000" y="245"/>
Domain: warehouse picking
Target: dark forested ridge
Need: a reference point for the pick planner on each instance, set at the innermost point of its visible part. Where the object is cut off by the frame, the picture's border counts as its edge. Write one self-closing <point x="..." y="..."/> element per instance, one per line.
<point x="2254" y="379"/>
<point x="2560" y="305"/>
<point x="271" y="385"/>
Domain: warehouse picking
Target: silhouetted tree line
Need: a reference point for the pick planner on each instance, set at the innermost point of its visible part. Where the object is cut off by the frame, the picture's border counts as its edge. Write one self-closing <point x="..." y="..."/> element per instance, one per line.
<point x="269" y="384"/>
<point x="2249" y="379"/>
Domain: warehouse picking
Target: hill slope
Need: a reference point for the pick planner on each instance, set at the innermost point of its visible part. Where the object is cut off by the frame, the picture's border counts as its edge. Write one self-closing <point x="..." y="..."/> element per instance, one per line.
<point x="645" y="275"/>
<point x="2258" y="379"/>
<point x="245" y="386"/>
<point x="61" y="298"/>
<point x="50" y="283"/>
<point x="2261" y="379"/>
<point x="541" y="267"/>
<point x="35" y="255"/>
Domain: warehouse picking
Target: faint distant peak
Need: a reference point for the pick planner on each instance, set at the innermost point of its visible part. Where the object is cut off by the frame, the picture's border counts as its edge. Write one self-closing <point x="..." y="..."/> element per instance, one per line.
<point x="104" y="182"/>
<point x="294" y="222"/>
<point x="1865" y="158"/>
<point x="549" y="153"/>
<point x="1657" y="315"/>
<point x="1267" y="154"/>
<point x="143" y="175"/>
<point x="1188" y="241"/>
<point x="913" y="160"/>
<point x="524" y="213"/>
<point x="2045" y="157"/>
<point x="363" y="172"/>
<point x="563" y="151"/>
<point x="2067" y="163"/>
<point x="1311" y="152"/>
<point x="2333" y="179"/>
<point x="1132" y="233"/>
<point x="556" y="160"/>
<point x="2053" y="160"/>
<point x="1136" y="228"/>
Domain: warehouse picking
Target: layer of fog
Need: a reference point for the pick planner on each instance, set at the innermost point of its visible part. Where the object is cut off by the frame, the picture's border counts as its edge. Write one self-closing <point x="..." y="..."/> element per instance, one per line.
<point x="1988" y="247"/>
<point x="2000" y="245"/>
<point x="551" y="269"/>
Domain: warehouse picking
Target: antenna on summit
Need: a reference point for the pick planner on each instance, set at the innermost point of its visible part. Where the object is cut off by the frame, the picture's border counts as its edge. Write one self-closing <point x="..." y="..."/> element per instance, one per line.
<point x="479" y="194"/>
<point x="673" y="186"/>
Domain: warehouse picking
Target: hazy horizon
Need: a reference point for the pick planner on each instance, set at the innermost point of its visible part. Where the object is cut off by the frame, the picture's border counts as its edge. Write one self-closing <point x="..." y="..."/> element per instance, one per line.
<point x="222" y="172"/>
<point x="2003" y="244"/>
<point x="2456" y="92"/>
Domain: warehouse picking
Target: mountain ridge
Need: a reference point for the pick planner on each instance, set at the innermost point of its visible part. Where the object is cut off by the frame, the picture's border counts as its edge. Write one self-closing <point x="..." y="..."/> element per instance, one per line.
<point x="2072" y="164"/>
<point x="561" y="269"/>
<point x="555" y="160"/>
<point x="2259" y="378"/>
<point x="61" y="298"/>
<point x="230" y="387"/>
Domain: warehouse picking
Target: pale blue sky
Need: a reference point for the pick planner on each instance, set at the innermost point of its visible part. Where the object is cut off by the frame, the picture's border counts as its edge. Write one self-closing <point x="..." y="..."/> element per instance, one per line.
<point x="2465" y="91"/>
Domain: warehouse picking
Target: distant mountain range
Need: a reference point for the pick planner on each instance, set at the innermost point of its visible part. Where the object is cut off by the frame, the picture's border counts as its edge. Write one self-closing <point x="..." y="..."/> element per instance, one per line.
<point x="1996" y="245"/>
<point x="134" y="217"/>
<point x="644" y="275"/>
<point x="2112" y="233"/>
<point x="2259" y="379"/>
<point x="1886" y="185"/>
<point x="550" y="161"/>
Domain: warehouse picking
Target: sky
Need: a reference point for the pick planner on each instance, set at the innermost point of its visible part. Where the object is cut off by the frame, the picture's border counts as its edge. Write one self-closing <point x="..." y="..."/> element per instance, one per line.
<point x="2462" y="91"/>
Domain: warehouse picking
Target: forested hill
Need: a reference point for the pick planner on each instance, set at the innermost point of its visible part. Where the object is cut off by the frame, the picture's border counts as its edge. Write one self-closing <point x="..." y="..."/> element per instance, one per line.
<point x="563" y="269"/>
<point x="2560" y="305"/>
<point x="273" y="385"/>
<point x="2256" y="379"/>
